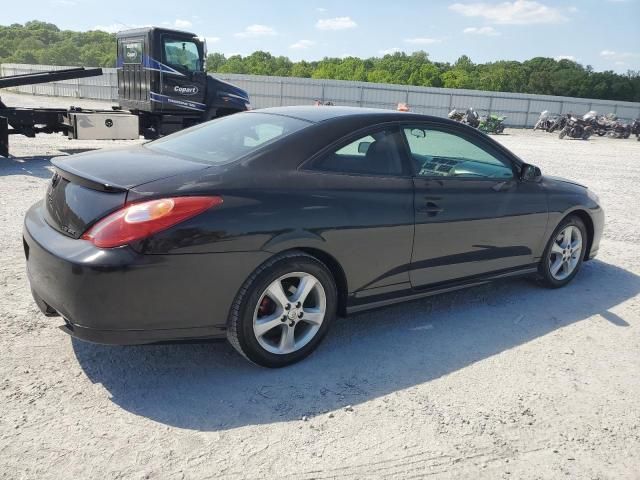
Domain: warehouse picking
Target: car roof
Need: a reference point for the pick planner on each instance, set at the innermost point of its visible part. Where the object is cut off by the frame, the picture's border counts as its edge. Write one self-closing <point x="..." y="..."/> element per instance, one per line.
<point x="325" y="113"/>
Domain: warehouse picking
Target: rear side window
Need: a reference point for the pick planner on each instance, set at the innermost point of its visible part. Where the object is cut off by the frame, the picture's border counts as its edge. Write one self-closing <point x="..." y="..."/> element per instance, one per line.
<point x="229" y="138"/>
<point x="375" y="154"/>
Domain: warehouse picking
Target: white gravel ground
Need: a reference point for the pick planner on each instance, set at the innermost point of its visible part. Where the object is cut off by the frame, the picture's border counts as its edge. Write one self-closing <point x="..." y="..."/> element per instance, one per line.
<point x="501" y="381"/>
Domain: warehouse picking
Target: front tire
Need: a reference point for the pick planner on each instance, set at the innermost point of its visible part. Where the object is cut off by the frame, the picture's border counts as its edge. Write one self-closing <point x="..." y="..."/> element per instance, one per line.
<point x="564" y="253"/>
<point x="283" y="310"/>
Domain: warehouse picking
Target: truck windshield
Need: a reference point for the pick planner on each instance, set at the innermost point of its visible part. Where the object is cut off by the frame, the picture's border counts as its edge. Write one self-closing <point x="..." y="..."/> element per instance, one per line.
<point x="182" y="54"/>
<point x="227" y="139"/>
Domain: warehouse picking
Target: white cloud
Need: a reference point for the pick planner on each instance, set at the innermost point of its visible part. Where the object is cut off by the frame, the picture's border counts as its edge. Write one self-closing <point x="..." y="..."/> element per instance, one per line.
<point x="610" y="54"/>
<point x="321" y="10"/>
<point x="389" y="51"/>
<point x="488" y="31"/>
<point x="212" y="40"/>
<point x="422" y="41"/>
<point x="256" y="31"/>
<point x="302" y="44"/>
<point x="564" y="57"/>
<point x="518" y="12"/>
<point x="337" y="23"/>
<point x="178" y="23"/>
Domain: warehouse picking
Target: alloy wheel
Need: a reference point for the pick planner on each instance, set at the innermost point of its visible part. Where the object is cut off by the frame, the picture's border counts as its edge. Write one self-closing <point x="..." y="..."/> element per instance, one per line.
<point x="565" y="253"/>
<point x="289" y="313"/>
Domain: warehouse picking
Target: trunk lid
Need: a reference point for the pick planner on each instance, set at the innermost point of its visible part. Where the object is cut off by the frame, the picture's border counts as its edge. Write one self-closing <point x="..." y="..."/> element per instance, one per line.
<point x="88" y="186"/>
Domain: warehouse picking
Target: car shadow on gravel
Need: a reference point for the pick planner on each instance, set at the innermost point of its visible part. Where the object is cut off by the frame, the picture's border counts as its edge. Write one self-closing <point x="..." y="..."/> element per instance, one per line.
<point x="208" y="386"/>
<point x="39" y="166"/>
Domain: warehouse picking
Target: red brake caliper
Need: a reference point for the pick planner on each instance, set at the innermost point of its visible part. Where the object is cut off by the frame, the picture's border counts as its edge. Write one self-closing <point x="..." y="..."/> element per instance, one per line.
<point x="266" y="307"/>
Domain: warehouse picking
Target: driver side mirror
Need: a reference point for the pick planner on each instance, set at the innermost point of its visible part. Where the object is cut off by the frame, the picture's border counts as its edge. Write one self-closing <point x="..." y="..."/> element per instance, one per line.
<point x="530" y="173"/>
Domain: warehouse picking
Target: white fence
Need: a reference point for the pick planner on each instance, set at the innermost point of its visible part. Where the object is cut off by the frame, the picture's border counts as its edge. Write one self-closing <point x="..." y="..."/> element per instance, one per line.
<point x="521" y="109"/>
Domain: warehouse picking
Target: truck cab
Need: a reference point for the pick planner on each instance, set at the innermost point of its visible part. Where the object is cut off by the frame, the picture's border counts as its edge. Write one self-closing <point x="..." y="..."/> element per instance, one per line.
<point x="162" y="79"/>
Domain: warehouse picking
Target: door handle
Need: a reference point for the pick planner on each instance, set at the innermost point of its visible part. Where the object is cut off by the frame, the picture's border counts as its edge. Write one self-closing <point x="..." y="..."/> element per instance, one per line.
<point x="431" y="209"/>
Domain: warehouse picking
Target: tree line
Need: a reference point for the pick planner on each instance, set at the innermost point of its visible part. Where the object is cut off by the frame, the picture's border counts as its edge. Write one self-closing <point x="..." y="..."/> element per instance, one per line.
<point x="44" y="43"/>
<point x="539" y="75"/>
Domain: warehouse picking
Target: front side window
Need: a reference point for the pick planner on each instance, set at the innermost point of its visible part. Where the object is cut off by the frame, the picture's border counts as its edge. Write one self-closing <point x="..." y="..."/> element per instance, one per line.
<point x="436" y="153"/>
<point x="374" y="154"/>
<point x="182" y="54"/>
<point x="227" y="139"/>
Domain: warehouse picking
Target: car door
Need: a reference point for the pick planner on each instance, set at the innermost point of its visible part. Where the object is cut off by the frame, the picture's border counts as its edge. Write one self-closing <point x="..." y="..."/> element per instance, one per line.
<point x="473" y="216"/>
<point x="365" y="185"/>
<point x="182" y="78"/>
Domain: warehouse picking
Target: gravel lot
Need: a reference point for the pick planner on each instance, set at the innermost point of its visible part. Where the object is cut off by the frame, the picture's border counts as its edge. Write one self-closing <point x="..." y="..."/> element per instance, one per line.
<point x="501" y="381"/>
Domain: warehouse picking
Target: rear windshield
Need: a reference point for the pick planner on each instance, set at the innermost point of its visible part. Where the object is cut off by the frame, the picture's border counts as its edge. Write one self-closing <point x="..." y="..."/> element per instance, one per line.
<point x="229" y="138"/>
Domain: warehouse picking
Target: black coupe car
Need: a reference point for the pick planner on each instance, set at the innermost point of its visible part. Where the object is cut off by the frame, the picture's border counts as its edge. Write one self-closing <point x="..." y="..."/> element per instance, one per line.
<point x="263" y="226"/>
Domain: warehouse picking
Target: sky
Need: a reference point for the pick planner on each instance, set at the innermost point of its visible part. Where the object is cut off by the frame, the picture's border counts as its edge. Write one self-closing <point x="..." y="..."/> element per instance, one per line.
<point x="601" y="33"/>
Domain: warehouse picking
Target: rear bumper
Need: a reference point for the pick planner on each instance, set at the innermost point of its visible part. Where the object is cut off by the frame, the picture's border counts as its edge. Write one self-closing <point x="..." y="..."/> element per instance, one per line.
<point x="118" y="296"/>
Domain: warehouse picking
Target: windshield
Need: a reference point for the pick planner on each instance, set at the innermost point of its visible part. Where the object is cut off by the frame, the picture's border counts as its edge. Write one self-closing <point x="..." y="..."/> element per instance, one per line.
<point x="229" y="138"/>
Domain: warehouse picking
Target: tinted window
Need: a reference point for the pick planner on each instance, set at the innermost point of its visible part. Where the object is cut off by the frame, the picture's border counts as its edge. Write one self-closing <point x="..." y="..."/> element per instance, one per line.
<point x="182" y="54"/>
<point x="228" y="138"/>
<point x="443" y="154"/>
<point x="374" y="154"/>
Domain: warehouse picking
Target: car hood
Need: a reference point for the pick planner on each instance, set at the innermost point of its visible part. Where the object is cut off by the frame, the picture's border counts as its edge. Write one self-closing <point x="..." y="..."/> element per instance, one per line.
<point x="560" y="180"/>
<point x="125" y="168"/>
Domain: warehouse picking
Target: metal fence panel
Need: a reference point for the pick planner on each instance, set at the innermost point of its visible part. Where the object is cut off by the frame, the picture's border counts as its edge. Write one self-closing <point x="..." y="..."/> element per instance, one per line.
<point x="520" y="109"/>
<point x="625" y="112"/>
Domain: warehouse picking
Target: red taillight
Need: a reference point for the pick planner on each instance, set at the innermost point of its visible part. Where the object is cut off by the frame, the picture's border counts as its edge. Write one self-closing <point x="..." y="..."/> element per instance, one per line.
<point x="140" y="220"/>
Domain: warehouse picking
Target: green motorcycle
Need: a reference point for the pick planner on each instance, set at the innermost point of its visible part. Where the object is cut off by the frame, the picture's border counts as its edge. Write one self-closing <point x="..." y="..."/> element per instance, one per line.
<point x="492" y="124"/>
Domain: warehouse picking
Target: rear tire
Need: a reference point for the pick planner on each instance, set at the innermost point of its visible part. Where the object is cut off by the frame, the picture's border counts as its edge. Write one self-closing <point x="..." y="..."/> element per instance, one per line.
<point x="563" y="255"/>
<point x="268" y="324"/>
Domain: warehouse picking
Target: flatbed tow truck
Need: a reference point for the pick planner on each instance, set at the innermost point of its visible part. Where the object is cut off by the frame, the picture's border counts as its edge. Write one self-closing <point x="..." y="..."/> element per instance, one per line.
<point x="163" y="87"/>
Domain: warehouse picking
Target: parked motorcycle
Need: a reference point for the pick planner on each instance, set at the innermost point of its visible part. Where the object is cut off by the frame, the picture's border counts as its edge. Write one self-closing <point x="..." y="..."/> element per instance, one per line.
<point x="544" y="121"/>
<point x="617" y="128"/>
<point x="558" y="123"/>
<point x="599" y="123"/>
<point x="577" y="127"/>
<point x="470" y="117"/>
<point x="492" y="124"/>
<point x="456" y="115"/>
<point x="635" y="128"/>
